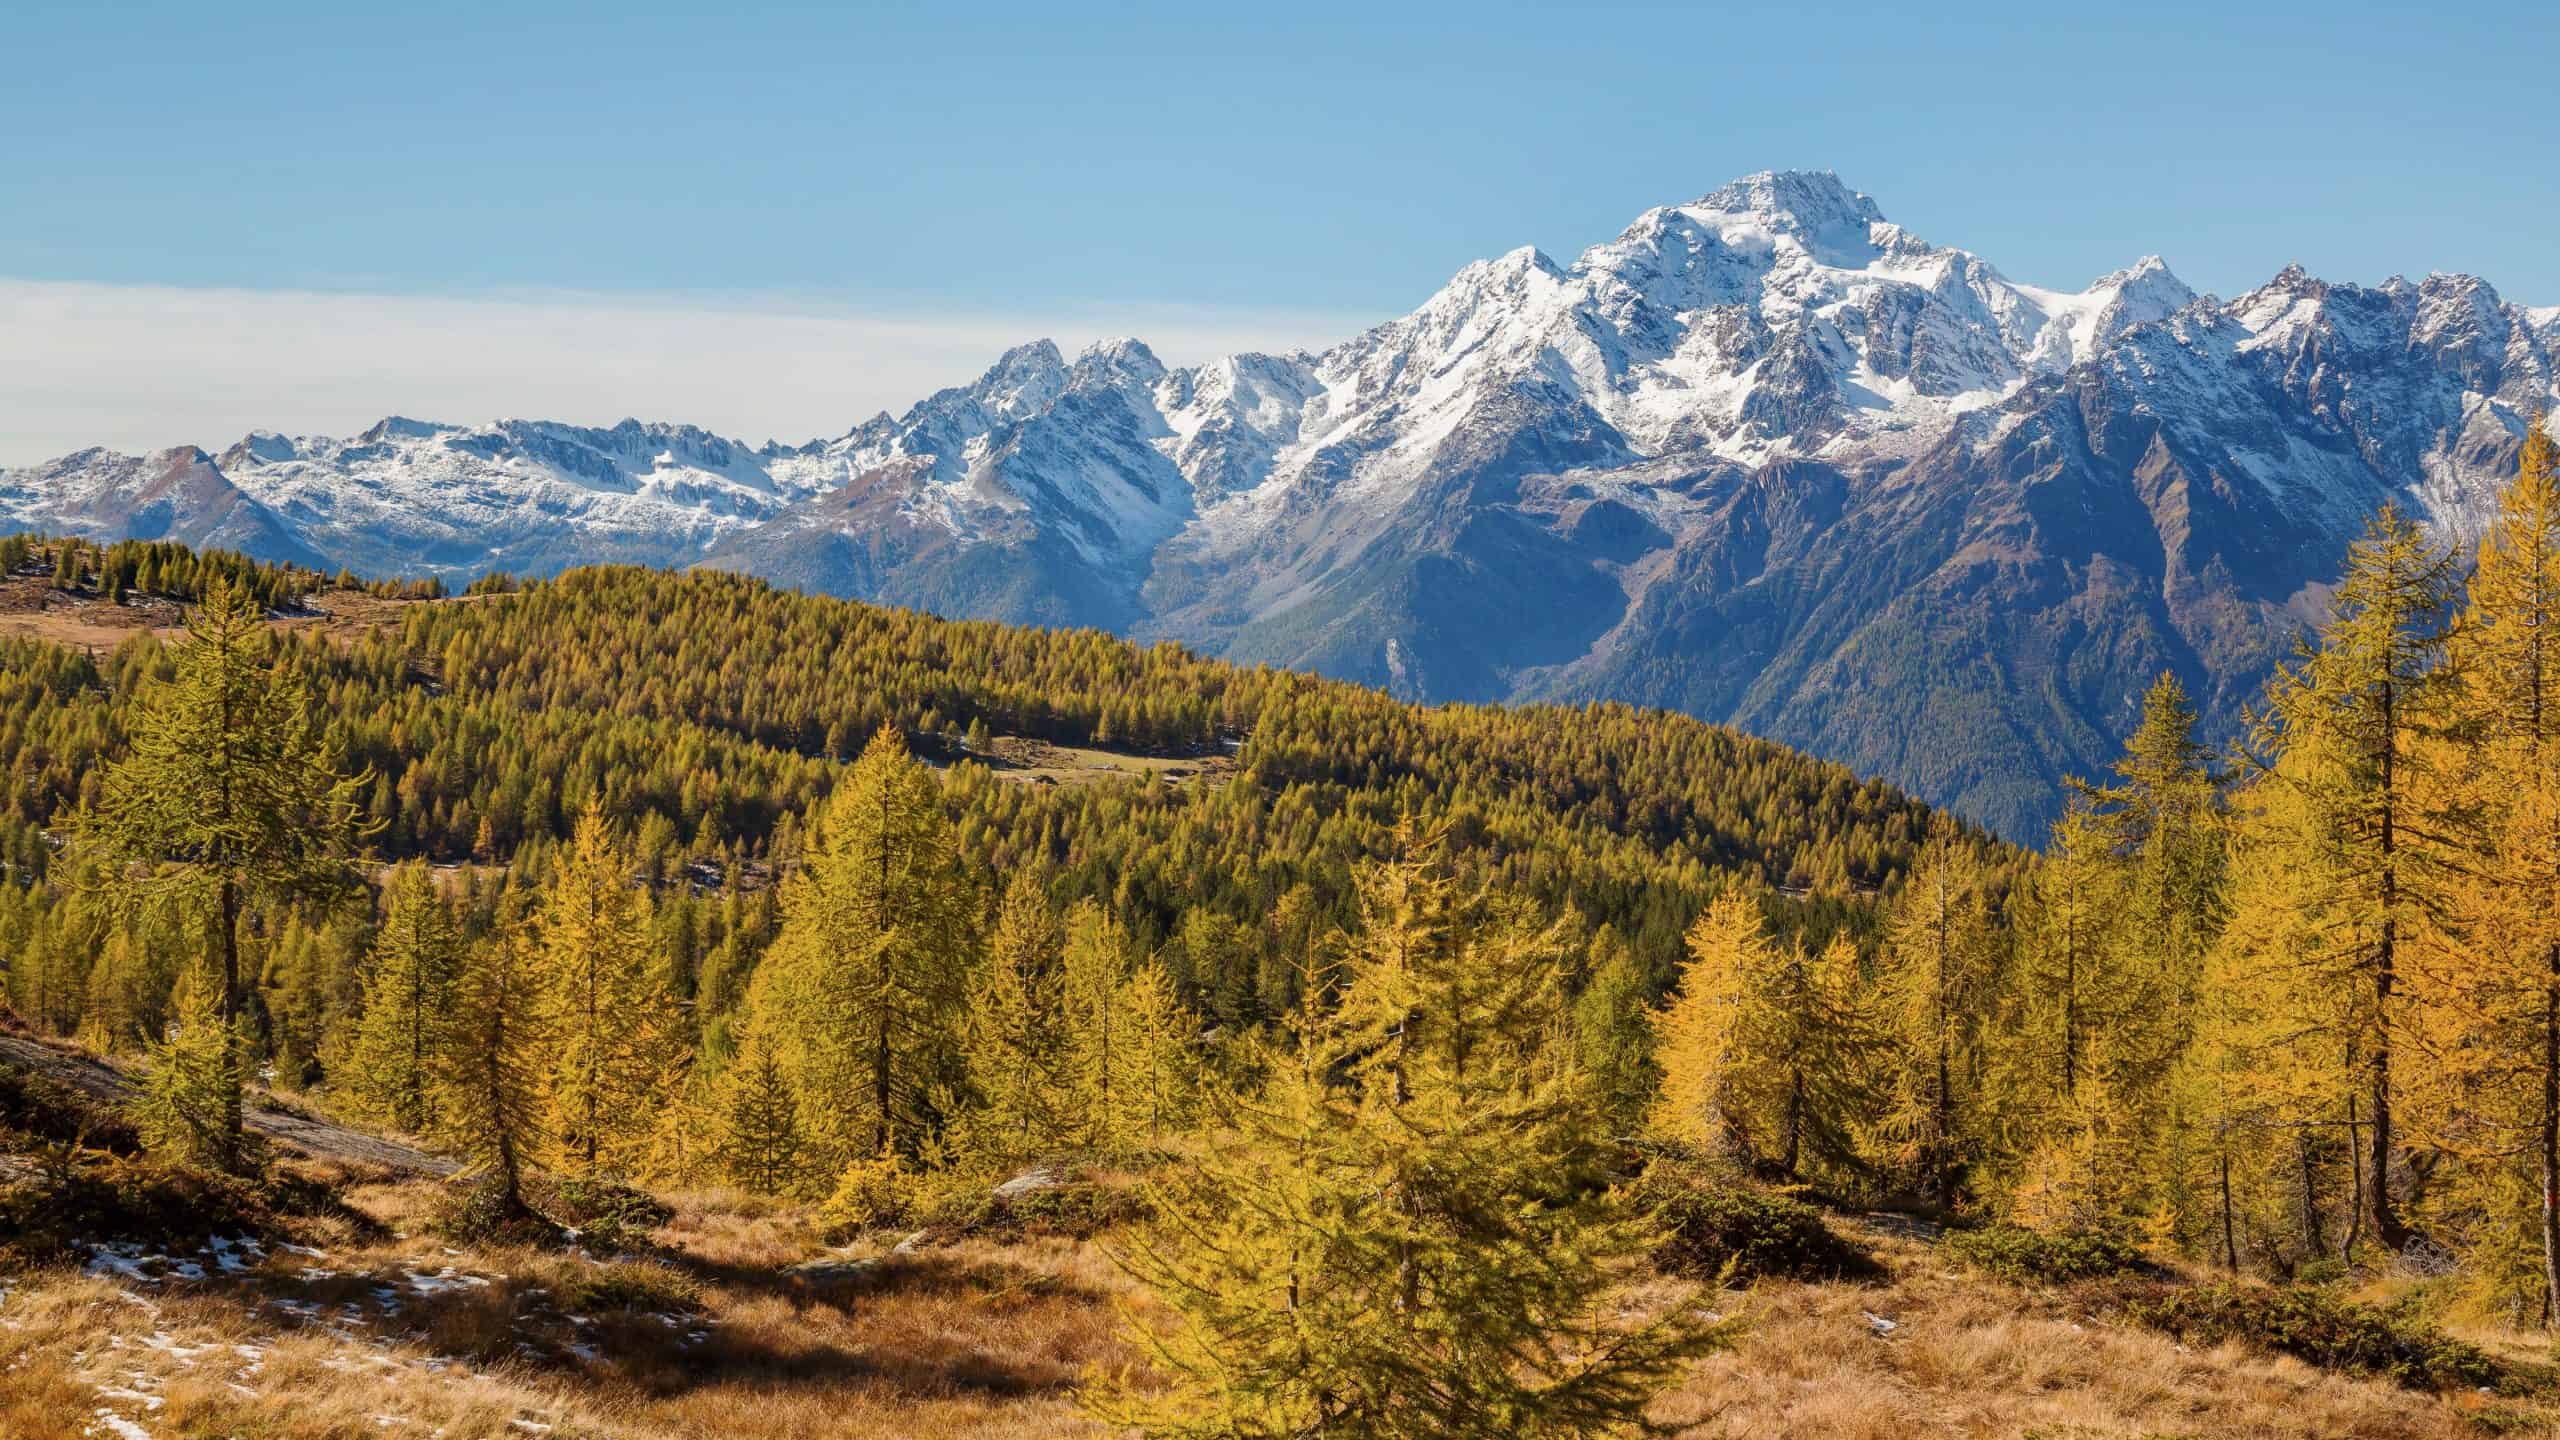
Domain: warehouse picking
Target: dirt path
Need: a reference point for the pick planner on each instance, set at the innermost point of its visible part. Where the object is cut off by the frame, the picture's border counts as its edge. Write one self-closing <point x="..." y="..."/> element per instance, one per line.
<point x="302" y="1135"/>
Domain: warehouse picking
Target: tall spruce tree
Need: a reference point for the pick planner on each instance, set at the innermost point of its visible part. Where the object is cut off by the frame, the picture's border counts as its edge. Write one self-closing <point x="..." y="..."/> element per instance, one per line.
<point x="226" y="795"/>
<point x="1613" y="1031"/>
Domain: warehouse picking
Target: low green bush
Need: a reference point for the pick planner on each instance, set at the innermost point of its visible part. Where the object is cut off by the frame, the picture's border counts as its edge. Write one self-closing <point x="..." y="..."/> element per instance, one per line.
<point x="2320" y="1328"/>
<point x="91" y="1196"/>
<point x="1076" y="1209"/>
<point x="607" y="1214"/>
<point x="2030" y="1257"/>
<point x="1708" y="1227"/>
<point x="475" y="1212"/>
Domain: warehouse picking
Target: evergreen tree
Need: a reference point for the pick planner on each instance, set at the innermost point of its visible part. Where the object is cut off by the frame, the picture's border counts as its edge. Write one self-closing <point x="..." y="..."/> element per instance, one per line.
<point x="2501" y="995"/>
<point x="863" y="982"/>
<point x="2348" y="725"/>
<point x="408" y="992"/>
<point x="1613" y="1033"/>
<point x="492" y="1097"/>
<point x="226" y="794"/>
<point x="1937" y="985"/>
<point x="1419" y="1249"/>
<point x="615" y="1017"/>
<point x="191" y="1084"/>
<point x="762" y="1151"/>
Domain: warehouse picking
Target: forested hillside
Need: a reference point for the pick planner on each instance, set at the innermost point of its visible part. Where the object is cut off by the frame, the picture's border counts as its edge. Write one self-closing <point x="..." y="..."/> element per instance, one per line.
<point x="707" y="715"/>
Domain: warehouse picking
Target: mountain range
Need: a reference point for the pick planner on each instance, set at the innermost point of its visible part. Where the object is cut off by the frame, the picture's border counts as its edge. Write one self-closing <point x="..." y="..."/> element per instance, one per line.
<point x="1765" y="458"/>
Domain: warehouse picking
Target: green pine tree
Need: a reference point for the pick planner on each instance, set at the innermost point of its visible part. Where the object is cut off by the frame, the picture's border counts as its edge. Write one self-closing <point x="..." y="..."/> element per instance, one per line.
<point x="191" y="1084"/>
<point x="226" y="794"/>
<point x="408" y="1001"/>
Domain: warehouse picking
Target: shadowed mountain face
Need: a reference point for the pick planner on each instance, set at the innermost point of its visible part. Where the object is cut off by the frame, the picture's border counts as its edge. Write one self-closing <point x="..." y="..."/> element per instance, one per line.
<point x="1764" y="458"/>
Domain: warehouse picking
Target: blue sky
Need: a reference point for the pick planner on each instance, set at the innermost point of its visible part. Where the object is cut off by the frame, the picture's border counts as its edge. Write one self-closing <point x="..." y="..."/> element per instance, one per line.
<point x="929" y="177"/>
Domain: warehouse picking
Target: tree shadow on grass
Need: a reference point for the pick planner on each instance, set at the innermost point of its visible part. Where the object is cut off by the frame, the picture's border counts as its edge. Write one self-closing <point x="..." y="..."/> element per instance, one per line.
<point x="922" y="1325"/>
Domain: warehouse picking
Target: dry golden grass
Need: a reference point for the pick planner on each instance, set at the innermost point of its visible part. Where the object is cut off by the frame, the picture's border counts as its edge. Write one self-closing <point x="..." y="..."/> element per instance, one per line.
<point x="393" y="1332"/>
<point x="1979" y="1359"/>
<point x="29" y="605"/>
<point x="1041" y="762"/>
<point x="392" y="1329"/>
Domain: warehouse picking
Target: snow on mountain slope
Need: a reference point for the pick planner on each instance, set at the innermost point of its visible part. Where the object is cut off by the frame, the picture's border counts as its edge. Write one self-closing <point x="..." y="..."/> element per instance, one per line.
<point x="174" y="495"/>
<point x="1756" y="456"/>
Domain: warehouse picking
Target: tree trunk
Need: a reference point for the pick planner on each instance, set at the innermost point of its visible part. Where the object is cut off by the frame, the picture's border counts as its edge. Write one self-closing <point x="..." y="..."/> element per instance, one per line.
<point x="2230" y="1245"/>
<point x="1795" y="1120"/>
<point x="880" y="1089"/>
<point x="234" y="1063"/>
<point x="2550" y="1139"/>
<point x="2313" y="1236"/>
<point x="2386" y="1221"/>
<point x="2355" y="1178"/>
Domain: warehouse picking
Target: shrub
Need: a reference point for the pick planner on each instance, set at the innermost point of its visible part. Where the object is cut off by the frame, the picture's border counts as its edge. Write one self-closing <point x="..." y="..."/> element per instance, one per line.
<point x="2029" y="1257"/>
<point x="1076" y="1209"/>
<point x="92" y="1196"/>
<point x="475" y="1211"/>
<point x="2317" y="1327"/>
<point x="607" y="1214"/>
<point x="874" y="1192"/>
<point x="1706" y="1228"/>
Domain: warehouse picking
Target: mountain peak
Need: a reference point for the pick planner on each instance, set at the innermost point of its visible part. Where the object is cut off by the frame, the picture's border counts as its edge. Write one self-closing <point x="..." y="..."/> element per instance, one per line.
<point x="1812" y="199"/>
<point x="1119" y="355"/>
<point x="2148" y="286"/>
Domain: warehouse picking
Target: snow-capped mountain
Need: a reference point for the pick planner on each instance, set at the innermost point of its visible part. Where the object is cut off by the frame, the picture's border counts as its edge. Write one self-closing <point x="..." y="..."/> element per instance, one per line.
<point x="1765" y="457"/>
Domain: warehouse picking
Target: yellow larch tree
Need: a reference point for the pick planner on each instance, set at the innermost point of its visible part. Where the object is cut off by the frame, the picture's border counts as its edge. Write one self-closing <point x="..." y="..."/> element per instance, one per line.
<point x="2499" y="1010"/>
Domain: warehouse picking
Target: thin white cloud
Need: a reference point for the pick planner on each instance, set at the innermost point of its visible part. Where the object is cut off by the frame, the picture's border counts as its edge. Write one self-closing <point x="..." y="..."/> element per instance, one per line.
<point x="142" y="367"/>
